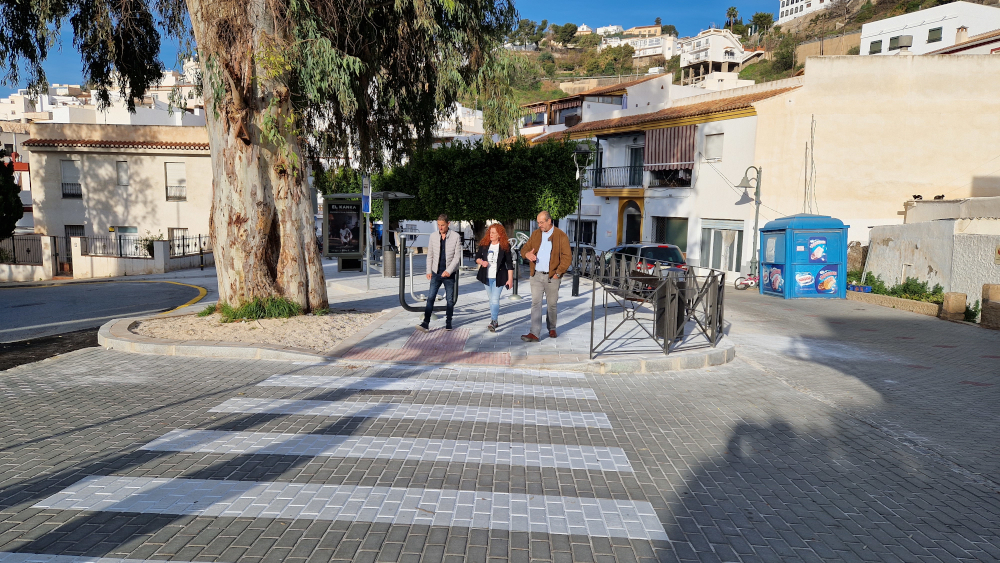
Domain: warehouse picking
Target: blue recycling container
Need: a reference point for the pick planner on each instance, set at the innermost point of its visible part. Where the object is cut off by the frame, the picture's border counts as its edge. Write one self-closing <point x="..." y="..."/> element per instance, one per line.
<point x="804" y="256"/>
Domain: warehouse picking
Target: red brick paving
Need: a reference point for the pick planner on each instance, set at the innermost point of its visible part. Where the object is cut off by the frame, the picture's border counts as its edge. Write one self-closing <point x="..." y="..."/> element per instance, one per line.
<point x="438" y="340"/>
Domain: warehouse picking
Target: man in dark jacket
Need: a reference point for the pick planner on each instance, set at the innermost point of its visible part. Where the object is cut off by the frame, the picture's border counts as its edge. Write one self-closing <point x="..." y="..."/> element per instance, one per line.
<point x="550" y="256"/>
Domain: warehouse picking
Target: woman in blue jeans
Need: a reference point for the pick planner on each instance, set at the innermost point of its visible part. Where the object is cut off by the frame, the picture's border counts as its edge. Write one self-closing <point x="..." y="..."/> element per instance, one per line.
<point x="496" y="268"/>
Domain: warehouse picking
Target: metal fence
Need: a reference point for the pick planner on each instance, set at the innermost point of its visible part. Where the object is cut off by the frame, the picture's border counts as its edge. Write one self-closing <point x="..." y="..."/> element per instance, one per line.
<point x="121" y="246"/>
<point x="615" y="177"/>
<point x="190" y="246"/>
<point x="21" y="249"/>
<point x="664" y="301"/>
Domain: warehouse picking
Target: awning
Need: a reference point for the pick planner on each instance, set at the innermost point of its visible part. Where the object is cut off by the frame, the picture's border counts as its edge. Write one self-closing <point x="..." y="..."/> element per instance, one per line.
<point x="669" y="149"/>
<point x="540" y="108"/>
<point x="569" y="104"/>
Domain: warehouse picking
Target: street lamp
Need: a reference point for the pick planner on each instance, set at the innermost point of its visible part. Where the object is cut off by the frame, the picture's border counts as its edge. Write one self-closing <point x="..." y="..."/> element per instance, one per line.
<point x="745" y="184"/>
<point x="579" y="216"/>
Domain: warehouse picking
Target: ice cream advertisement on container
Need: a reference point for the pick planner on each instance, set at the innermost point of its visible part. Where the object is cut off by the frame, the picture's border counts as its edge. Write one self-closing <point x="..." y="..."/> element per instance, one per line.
<point x="815" y="280"/>
<point x="773" y="278"/>
<point x="817" y="250"/>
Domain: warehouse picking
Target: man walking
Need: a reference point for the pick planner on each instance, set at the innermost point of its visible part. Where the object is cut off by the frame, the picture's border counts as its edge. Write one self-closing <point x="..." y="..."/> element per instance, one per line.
<point x="550" y="256"/>
<point x="444" y="255"/>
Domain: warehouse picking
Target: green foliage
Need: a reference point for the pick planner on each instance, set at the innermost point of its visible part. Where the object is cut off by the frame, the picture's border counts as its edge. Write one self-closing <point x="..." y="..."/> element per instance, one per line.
<point x="762" y="21"/>
<point x="207" y="311"/>
<point x="658" y="21"/>
<point x="668" y="30"/>
<point x="564" y="34"/>
<point x="866" y="13"/>
<point x="321" y="312"/>
<point x="764" y="71"/>
<point x="11" y="207"/>
<point x="856" y="50"/>
<point x="912" y="288"/>
<point x="344" y="180"/>
<point x="475" y="182"/>
<point x="267" y="308"/>
<point x="589" y="41"/>
<point x="546" y="57"/>
<point x="784" y="55"/>
<point x="612" y="60"/>
<point x="731" y="14"/>
<point x="147" y="241"/>
<point x="528" y="32"/>
<point x="972" y="313"/>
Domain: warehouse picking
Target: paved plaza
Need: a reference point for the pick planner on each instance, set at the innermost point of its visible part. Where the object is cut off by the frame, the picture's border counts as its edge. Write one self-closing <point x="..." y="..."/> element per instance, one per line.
<point x="841" y="432"/>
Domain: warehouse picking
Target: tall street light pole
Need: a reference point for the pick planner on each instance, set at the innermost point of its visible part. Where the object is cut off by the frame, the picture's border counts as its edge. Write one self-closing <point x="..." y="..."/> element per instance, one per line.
<point x="579" y="224"/>
<point x="745" y="184"/>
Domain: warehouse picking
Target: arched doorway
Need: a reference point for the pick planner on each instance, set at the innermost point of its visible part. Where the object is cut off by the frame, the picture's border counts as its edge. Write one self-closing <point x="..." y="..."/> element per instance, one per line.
<point x="630" y="222"/>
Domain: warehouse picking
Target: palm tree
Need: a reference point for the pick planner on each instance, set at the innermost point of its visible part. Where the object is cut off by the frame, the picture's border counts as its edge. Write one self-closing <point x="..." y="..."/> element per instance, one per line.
<point x="731" y="14"/>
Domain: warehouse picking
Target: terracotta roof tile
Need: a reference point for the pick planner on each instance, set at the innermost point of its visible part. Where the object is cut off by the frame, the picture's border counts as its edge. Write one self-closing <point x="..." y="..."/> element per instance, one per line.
<point x="676" y="112"/>
<point x="115" y="144"/>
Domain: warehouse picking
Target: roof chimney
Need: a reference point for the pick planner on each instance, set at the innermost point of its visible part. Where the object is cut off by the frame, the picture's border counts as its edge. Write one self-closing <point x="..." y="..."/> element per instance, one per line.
<point x="962" y="35"/>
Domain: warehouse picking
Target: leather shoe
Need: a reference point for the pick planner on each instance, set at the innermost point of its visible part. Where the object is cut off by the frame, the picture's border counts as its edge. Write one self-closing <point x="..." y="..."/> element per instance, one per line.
<point x="552" y="333"/>
<point x="529" y="338"/>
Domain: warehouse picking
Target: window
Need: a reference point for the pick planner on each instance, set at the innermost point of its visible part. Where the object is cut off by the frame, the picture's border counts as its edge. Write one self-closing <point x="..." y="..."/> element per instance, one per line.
<point x="934" y="35"/>
<point x="176" y="181"/>
<point x="588" y="234"/>
<point x="126" y="230"/>
<point x="875" y="47"/>
<point x="74" y="231"/>
<point x="122" y="169"/>
<point x="616" y="100"/>
<point x="894" y="43"/>
<point x="713" y="147"/>
<point x="671" y="230"/>
<point x="71" y="188"/>
<point x="563" y="114"/>
<point x="721" y="248"/>
<point x="533" y="119"/>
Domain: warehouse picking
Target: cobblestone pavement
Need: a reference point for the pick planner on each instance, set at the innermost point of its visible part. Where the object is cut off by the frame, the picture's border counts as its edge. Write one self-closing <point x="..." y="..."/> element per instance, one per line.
<point x="823" y="441"/>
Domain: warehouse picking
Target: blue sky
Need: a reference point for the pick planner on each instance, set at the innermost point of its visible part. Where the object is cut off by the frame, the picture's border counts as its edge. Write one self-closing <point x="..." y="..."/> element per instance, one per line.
<point x="690" y="16"/>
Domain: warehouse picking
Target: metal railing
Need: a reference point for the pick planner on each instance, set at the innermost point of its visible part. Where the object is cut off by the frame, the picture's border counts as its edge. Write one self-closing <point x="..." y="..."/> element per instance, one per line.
<point x="190" y="245"/>
<point x="176" y="193"/>
<point x="72" y="190"/>
<point x="21" y="249"/>
<point x="668" y="298"/>
<point x="615" y="177"/>
<point x="121" y="246"/>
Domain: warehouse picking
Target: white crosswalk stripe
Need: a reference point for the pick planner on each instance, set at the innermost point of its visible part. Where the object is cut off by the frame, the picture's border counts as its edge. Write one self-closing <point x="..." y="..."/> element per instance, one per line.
<point x="408" y="384"/>
<point x="409" y="506"/>
<point x="459" y="451"/>
<point x="417" y="411"/>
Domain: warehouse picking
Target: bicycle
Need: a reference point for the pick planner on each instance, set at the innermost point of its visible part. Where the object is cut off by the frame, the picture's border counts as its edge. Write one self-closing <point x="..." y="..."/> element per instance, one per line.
<point x="744" y="282"/>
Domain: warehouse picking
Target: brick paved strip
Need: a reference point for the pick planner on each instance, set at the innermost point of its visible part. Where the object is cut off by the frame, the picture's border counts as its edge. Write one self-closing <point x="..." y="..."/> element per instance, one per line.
<point x="45" y="558"/>
<point x="429" y="356"/>
<point x="462" y="451"/>
<point x="416" y="411"/>
<point x="396" y="384"/>
<point x="407" y="506"/>
<point x="500" y="371"/>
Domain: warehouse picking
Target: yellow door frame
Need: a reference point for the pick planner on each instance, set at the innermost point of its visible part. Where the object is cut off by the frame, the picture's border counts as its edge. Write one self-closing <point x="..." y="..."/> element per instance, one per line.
<point x="622" y="205"/>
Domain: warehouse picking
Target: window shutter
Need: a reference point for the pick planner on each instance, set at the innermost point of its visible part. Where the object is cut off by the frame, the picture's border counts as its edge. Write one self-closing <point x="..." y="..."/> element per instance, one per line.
<point x="176" y="174"/>
<point x="71" y="172"/>
<point x="122" y="168"/>
<point x="713" y="147"/>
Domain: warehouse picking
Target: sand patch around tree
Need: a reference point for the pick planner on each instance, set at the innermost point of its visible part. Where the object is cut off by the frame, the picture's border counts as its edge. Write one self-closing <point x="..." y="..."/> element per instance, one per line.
<point x="318" y="333"/>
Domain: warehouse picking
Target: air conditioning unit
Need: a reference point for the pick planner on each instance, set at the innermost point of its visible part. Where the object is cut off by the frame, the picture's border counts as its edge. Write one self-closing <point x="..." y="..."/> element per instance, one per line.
<point x="573" y="120"/>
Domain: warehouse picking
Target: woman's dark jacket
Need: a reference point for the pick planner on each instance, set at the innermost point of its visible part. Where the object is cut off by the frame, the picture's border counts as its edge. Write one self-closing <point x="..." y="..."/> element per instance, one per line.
<point x="504" y="264"/>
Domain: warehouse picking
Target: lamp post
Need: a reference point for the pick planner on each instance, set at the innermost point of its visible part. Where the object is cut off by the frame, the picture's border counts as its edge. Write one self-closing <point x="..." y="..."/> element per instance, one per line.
<point x="745" y="184"/>
<point x="579" y="220"/>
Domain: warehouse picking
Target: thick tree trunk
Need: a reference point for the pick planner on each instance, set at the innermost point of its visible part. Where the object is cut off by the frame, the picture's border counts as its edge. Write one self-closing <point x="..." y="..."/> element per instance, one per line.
<point x="262" y="224"/>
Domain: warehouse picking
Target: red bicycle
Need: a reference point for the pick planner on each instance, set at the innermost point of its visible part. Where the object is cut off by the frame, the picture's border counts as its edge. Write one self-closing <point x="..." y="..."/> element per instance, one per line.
<point x="744" y="282"/>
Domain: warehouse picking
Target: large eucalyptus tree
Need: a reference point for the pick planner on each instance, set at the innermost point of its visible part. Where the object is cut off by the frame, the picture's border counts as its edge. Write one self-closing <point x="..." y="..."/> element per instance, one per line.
<point x="364" y="78"/>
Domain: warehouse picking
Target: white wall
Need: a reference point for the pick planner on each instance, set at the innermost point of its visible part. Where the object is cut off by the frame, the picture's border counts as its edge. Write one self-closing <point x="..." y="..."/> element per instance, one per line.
<point x="949" y="17"/>
<point x="791" y="9"/>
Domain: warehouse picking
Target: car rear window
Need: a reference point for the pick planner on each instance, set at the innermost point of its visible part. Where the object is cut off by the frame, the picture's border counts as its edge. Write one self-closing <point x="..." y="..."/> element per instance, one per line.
<point x="663" y="254"/>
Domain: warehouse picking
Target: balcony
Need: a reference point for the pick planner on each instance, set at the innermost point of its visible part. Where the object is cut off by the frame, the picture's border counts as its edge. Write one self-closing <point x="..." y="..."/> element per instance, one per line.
<point x="615" y="177"/>
<point x="176" y="193"/>
<point x="72" y="190"/>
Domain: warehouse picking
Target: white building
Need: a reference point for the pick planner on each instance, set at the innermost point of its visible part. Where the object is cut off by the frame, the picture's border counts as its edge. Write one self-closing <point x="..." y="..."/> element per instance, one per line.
<point x="712" y="60"/>
<point x="668" y="177"/>
<point x="664" y="45"/>
<point x="584" y="29"/>
<point x="788" y="10"/>
<point x="929" y="30"/>
<point x="647" y="94"/>
<point x="610" y="30"/>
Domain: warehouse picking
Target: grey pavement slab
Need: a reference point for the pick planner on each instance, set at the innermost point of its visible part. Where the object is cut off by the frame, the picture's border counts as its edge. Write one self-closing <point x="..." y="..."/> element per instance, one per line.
<point x="841" y="432"/>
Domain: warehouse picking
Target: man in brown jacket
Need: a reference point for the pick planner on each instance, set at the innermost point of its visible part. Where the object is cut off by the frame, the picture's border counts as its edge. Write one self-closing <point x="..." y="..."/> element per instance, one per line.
<point x="550" y="256"/>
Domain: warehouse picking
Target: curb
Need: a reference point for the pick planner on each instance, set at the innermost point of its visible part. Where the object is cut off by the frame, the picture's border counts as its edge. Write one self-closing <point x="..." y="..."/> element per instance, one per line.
<point x="116" y="335"/>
